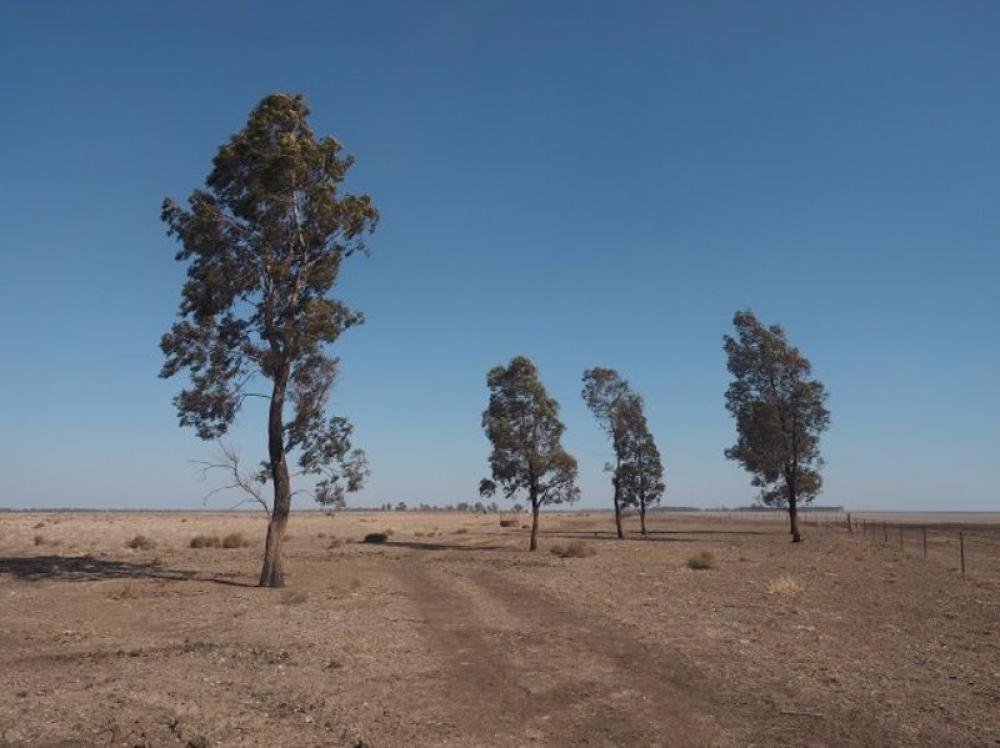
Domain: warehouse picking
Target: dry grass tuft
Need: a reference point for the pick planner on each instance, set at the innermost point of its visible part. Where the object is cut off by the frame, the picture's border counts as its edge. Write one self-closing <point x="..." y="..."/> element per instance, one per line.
<point x="293" y="597"/>
<point x="335" y="543"/>
<point x="461" y="531"/>
<point x="375" y="537"/>
<point x="784" y="585"/>
<point x="205" y="541"/>
<point x="576" y="549"/>
<point x="703" y="560"/>
<point x="141" y="543"/>
<point x="508" y="523"/>
<point x="235" y="540"/>
<point x="39" y="539"/>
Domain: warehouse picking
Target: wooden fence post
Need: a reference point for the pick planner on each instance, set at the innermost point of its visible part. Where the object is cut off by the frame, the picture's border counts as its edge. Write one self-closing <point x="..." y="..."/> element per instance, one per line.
<point x="850" y="527"/>
<point x="900" y="537"/>
<point x="885" y="531"/>
<point x="925" y="543"/>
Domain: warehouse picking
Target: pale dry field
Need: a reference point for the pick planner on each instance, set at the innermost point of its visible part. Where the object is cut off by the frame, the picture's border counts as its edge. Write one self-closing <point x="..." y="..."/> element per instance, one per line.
<point x="453" y="634"/>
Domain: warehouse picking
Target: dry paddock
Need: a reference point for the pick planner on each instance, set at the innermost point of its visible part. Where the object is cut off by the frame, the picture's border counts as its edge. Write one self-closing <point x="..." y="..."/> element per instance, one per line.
<point x="453" y="634"/>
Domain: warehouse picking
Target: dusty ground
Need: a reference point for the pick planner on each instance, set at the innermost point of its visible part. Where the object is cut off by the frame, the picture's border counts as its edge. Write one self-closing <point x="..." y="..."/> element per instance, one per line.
<point x="452" y="634"/>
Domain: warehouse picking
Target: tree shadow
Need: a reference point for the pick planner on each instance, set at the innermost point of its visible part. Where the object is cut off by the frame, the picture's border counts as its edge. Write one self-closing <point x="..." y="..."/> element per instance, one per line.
<point x="605" y="535"/>
<point x="418" y="546"/>
<point x="90" y="569"/>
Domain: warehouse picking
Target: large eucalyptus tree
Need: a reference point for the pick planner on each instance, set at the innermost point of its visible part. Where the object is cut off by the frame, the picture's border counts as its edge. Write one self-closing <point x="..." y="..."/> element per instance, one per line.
<point x="780" y="412"/>
<point x="263" y="242"/>
<point x="522" y="423"/>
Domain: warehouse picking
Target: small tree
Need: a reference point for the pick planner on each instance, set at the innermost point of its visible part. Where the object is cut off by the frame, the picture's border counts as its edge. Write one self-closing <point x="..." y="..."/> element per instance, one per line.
<point x="641" y="471"/>
<point x="522" y="423"/>
<point x="780" y="413"/>
<point x="263" y="243"/>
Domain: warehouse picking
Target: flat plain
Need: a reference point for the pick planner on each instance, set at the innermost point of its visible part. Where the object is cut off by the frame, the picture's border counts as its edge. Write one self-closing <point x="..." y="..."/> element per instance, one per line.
<point x="451" y="633"/>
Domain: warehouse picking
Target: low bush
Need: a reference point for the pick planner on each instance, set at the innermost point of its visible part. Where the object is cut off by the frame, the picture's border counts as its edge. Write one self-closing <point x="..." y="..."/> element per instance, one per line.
<point x="576" y="549"/>
<point x="375" y="537"/>
<point x="39" y="539"/>
<point x="293" y="597"/>
<point x="508" y="523"/>
<point x="461" y="530"/>
<point x="784" y="585"/>
<point x="140" y="543"/>
<point x="703" y="560"/>
<point x="206" y="541"/>
<point x="235" y="540"/>
<point x="335" y="543"/>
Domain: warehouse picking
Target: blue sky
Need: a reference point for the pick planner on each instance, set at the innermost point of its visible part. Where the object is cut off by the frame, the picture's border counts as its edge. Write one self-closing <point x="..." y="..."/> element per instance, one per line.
<point x="583" y="183"/>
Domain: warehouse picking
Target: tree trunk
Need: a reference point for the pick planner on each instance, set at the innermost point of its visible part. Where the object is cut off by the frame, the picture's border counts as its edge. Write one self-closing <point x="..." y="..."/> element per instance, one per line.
<point x="273" y="572"/>
<point x="793" y="516"/>
<point x="642" y="518"/>
<point x="534" y="526"/>
<point x="618" y="518"/>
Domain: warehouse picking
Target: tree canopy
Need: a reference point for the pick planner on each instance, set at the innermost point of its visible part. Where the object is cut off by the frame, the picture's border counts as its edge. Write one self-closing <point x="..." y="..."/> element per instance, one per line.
<point x="780" y="412"/>
<point x="522" y="423"/>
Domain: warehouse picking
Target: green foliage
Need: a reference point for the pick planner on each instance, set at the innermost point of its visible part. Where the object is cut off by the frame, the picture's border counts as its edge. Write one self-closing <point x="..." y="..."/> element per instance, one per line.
<point x="522" y="423"/>
<point x="263" y="243"/>
<point x="637" y="472"/>
<point x="780" y="412"/>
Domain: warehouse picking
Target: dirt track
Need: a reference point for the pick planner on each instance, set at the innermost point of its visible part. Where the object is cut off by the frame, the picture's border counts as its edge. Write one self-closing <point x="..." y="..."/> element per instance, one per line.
<point x="452" y="634"/>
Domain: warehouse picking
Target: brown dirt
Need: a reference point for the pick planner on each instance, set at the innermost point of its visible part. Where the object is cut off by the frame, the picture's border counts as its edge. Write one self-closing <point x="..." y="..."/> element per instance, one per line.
<point x="466" y="639"/>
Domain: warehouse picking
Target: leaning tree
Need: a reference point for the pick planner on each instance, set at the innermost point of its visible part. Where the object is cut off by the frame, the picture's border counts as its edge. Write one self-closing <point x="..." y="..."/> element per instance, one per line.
<point x="604" y="392"/>
<point x="264" y="242"/>
<point x="780" y="412"/>
<point x="640" y="473"/>
<point x="522" y="423"/>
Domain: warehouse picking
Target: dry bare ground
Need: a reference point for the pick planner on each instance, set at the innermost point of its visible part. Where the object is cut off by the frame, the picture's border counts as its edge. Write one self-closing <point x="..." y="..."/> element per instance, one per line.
<point x="444" y="637"/>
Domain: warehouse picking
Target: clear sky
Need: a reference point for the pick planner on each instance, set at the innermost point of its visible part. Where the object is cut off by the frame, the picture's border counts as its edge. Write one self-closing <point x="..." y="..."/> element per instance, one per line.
<point x="583" y="183"/>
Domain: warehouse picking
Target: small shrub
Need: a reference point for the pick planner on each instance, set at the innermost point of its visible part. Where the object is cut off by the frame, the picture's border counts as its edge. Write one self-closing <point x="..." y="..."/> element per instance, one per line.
<point x="703" y="560"/>
<point x="321" y="535"/>
<point x="389" y="533"/>
<point x="39" y="539"/>
<point x="461" y="530"/>
<point x="140" y="543"/>
<point x="576" y="549"/>
<point x="525" y="527"/>
<point x="335" y="543"/>
<point x="375" y="537"/>
<point x="235" y="540"/>
<point x="508" y="523"/>
<point x="784" y="585"/>
<point x="40" y="525"/>
<point x="206" y="541"/>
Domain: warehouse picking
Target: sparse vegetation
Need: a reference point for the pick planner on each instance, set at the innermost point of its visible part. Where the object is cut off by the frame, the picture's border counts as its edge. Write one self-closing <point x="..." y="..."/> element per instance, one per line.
<point x="293" y="597"/>
<point x="508" y="523"/>
<point x="141" y="543"/>
<point x="39" y="539"/>
<point x="784" y="585"/>
<point x="461" y="531"/>
<point x="703" y="560"/>
<point x="375" y="537"/>
<point x="235" y="540"/>
<point x="206" y="541"/>
<point x="575" y="549"/>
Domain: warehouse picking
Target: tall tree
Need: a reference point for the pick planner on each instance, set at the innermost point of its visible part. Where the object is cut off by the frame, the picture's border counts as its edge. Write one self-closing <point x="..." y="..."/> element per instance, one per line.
<point x="605" y="391"/>
<point x="641" y="471"/>
<point x="522" y="422"/>
<point x="780" y="412"/>
<point x="263" y="242"/>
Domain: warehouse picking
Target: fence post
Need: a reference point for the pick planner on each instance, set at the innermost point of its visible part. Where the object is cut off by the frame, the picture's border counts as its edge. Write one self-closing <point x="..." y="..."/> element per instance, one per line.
<point x="885" y="531"/>
<point x="850" y="527"/>
<point x="961" y="546"/>
<point x="900" y="537"/>
<point x="925" y="543"/>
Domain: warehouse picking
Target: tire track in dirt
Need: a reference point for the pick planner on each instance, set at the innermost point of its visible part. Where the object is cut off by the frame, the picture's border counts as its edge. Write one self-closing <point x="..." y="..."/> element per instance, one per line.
<point x="519" y="667"/>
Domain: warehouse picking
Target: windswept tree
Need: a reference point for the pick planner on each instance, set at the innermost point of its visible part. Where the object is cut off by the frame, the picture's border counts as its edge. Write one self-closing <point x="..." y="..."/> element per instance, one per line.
<point x="640" y="474"/>
<point x="264" y="242"/>
<point x="637" y="470"/>
<point x="522" y="422"/>
<point x="780" y="412"/>
<point x="604" y="391"/>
